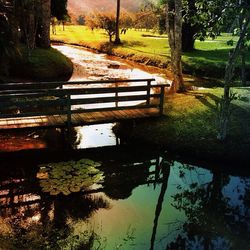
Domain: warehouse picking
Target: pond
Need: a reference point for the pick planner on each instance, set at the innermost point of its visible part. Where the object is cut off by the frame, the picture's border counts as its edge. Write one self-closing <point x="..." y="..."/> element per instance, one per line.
<point x="140" y="202"/>
<point x="114" y="197"/>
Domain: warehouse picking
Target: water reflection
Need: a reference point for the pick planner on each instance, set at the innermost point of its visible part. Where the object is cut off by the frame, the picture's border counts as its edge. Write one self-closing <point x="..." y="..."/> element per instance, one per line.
<point x="78" y="138"/>
<point x="152" y="204"/>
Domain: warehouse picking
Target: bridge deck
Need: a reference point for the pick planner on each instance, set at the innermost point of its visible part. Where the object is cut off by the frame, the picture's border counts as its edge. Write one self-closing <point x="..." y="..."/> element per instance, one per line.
<point x="79" y="119"/>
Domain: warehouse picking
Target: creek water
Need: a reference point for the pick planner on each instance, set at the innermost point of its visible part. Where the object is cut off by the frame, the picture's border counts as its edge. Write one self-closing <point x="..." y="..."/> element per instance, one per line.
<point x="134" y="200"/>
<point x="87" y="66"/>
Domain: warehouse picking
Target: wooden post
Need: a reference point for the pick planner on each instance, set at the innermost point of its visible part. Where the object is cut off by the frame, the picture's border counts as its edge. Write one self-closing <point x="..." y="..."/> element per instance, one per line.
<point x="116" y="95"/>
<point x="61" y="98"/>
<point x="68" y="111"/>
<point x="148" y="91"/>
<point x="161" y="106"/>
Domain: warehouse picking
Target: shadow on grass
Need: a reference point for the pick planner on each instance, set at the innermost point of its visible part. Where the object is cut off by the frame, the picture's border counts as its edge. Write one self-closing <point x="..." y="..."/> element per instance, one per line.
<point x="132" y="44"/>
<point x="217" y="55"/>
<point x="204" y="99"/>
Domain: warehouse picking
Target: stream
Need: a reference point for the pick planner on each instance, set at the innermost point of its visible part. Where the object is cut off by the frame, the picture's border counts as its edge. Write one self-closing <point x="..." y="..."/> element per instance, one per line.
<point x="115" y="198"/>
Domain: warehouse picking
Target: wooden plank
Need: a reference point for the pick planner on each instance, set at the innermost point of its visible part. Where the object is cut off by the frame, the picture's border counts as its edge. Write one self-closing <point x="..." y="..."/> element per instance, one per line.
<point x="77" y="119"/>
<point x="124" y="114"/>
<point x="57" y="119"/>
<point x="51" y="121"/>
<point x="44" y="118"/>
<point x="30" y="85"/>
<point x="88" y="117"/>
<point x="133" y="113"/>
<point x="62" y="119"/>
<point x="77" y="91"/>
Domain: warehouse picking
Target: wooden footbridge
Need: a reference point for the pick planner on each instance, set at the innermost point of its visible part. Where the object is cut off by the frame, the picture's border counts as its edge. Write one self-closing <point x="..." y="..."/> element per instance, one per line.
<point x="66" y="104"/>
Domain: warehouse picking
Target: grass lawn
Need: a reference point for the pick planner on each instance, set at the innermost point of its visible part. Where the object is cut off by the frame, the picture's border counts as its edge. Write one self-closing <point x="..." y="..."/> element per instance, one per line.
<point x="189" y="126"/>
<point x="208" y="59"/>
<point x="41" y="65"/>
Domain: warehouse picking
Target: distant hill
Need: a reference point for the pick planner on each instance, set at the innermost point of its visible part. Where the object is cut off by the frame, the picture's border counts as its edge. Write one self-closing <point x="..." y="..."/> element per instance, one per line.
<point x="79" y="7"/>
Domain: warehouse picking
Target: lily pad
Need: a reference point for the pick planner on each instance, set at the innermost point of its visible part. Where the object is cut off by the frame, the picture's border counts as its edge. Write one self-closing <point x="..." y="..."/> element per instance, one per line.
<point x="69" y="177"/>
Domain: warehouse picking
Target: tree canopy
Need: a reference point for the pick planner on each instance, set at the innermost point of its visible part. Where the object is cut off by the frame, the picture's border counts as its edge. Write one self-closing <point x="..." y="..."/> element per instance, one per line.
<point x="59" y="9"/>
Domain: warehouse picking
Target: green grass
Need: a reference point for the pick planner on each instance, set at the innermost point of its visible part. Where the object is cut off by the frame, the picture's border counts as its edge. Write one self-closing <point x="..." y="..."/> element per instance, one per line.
<point x="190" y="126"/>
<point x="208" y="59"/>
<point x="41" y="65"/>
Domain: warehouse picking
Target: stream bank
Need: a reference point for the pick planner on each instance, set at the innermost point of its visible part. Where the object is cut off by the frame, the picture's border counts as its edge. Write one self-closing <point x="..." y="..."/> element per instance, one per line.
<point x="41" y="65"/>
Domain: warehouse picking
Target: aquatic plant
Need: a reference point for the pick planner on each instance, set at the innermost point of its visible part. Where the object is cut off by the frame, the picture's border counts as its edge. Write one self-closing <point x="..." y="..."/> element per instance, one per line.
<point x="68" y="177"/>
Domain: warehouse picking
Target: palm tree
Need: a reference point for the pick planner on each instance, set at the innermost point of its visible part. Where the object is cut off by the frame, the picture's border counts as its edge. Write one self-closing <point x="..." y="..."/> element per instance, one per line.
<point x="117" y="36"/>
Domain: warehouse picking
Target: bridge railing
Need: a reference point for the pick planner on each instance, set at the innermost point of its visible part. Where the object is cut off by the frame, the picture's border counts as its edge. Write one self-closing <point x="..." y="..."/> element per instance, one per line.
<point x="67" y="98"/>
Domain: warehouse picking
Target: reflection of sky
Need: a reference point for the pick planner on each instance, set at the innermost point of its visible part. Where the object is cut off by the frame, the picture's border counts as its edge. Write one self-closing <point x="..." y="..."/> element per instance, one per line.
<point x="235" y="190"/>
<point x="95" y="136"/>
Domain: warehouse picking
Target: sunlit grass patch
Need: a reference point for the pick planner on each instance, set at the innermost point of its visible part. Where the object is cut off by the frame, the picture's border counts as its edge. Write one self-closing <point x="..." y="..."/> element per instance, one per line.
<point x="208" y="58"/>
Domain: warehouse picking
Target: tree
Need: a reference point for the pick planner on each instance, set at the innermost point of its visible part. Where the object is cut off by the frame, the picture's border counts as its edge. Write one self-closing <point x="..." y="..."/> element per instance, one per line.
<point x="147" y="17"/>
<point x="7" y="36"/>
<point x="59" y="9"/>
<point x="45" y="24"/>
<point x="28" y="18"/>
<point x="224" y="106"/>
<point x="174" y="29"/>
<point x="92" y="21"/>
<point x="33" y="19"/>
<point x="107" y="21"/>
<point x="117" y="33"/>
<point x="201" y="19"/>
<point x="81" y="20"/>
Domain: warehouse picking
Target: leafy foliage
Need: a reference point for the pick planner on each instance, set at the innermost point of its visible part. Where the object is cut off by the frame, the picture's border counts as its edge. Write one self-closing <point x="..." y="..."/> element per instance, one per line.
<point x="59" y="9"/>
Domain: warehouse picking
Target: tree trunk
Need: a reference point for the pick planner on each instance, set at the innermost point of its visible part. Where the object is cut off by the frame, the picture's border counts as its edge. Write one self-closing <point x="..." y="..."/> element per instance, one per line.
<point x="224" y="106"/>
<point x="174" y="28"/>
<point x="243" y="67"/>
<point x="188" y="39"/>
<point x="45" y="23"/>
<point x="117" y="33"/>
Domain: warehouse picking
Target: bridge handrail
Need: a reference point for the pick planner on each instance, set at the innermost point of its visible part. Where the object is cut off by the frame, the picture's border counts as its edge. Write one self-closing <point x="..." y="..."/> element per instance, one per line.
<point x="55" y="84"/>
<point x="32" y="98"/>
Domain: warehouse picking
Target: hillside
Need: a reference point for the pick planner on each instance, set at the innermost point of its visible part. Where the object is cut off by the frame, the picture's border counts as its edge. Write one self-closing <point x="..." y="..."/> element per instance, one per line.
<point x="79" y="7"/>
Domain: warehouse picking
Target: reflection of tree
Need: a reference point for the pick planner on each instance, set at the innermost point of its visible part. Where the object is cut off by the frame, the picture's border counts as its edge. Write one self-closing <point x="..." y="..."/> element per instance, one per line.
<point x="165" y="169"/>
<point x="213" y="221"/>
<point x="45" y="219"/>
<point x="36" y="220"/>
<point x="76" y="206"/>
<point x="120" y="182"/>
